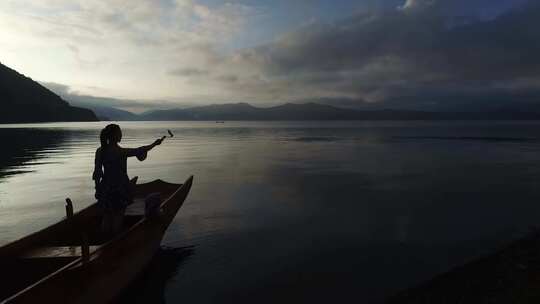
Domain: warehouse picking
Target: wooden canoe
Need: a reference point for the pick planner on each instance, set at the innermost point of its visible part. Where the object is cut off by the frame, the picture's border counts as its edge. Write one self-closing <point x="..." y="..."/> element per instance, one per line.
<point x="48" y="267"/>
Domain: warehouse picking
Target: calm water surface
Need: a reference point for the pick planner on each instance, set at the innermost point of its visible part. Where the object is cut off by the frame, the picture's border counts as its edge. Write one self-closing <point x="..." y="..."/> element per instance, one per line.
<point x="295" y="211"/>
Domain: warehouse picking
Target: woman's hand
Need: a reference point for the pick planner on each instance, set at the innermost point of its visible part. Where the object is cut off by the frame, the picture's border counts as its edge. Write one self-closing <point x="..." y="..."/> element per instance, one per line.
<point x="141" y="152"/>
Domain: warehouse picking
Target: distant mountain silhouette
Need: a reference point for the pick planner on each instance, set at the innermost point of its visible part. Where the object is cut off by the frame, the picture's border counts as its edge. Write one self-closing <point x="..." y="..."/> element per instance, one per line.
<point x="110" y="113"/>
<point x="244" y="111"/>
<point x="105" y="112"/>
<point x="237" y="111"/>
<point x="24" y="100"/>
<point x="314" y="111"/>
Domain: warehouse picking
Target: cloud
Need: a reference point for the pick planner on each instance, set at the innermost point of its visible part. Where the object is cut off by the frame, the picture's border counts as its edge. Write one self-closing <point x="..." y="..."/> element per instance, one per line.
<point x="75" y="98"/>
<point x="384" y="57"/>
<point x="414" y="54"/>
<point x="122" y="45"/>
<point x="57" y="88"/>
<point x="417" y="4"/>
<point x="227" y="78"/>
<point x="188" y="72"/>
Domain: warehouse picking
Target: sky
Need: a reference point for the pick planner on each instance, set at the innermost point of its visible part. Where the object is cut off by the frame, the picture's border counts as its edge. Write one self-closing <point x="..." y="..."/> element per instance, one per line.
<point x="143" y="54"/>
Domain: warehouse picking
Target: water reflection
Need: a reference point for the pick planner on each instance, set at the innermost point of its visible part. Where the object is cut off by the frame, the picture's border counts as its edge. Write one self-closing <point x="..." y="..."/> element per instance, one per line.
<point x="24" y="147"/>
<point x="32" y="167"/>
<point x="151" y="284"/>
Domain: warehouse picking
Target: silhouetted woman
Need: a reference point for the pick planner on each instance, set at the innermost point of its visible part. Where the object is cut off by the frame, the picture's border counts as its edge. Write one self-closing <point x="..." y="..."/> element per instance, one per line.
<point x="113" y="188"/>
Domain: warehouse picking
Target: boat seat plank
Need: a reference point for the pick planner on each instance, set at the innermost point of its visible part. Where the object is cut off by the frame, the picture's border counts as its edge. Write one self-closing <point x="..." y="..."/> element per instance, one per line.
<point x="56" y="252"/>
<point x="136" y="208"/>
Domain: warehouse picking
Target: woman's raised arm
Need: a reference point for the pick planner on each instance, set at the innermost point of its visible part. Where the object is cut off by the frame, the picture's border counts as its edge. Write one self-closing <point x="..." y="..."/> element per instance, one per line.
<point x="141" y="151"/>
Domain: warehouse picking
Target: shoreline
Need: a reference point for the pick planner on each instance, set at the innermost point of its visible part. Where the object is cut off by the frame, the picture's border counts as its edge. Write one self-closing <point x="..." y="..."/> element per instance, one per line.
<point x="511" y="274"/>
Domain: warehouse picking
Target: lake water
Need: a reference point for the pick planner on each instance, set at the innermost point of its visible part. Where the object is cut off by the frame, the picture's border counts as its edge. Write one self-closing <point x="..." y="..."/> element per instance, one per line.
<point x="295" y="211"/>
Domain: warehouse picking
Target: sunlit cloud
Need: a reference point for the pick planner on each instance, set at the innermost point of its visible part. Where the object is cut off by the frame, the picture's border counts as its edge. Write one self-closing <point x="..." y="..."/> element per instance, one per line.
<point x="123" y="45"/>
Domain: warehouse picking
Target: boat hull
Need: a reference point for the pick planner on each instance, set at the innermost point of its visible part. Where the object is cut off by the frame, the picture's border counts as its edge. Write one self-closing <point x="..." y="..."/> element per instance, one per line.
<point x="114" y="265"/>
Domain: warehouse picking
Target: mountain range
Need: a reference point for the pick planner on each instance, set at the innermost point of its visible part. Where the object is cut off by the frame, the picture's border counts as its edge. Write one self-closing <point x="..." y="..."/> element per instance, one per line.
<point x="24" y="100"/>
<point x="314" y="111"/>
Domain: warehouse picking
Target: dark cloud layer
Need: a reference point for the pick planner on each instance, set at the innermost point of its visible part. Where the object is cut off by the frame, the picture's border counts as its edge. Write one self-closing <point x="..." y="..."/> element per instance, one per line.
<point x="408" y="57"/>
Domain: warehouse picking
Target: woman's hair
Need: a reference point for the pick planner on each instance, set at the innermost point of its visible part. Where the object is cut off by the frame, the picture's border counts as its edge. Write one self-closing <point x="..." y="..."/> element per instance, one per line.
<point x="110" y="134"/>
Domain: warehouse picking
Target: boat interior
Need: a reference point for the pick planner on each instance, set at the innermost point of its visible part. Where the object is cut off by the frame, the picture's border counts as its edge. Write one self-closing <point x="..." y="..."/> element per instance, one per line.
<point x="41" y="254"/>
<point x="58" y="249"/>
